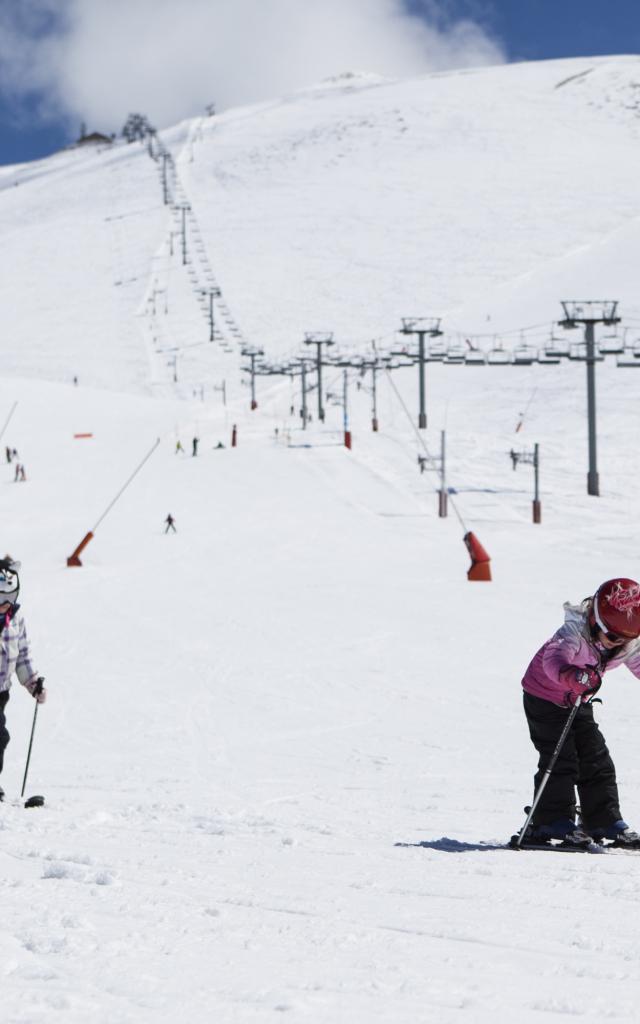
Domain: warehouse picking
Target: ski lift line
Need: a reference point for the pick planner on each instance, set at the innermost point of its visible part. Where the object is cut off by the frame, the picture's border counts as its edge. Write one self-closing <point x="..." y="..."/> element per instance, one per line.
<point x="533" y="395"/>
<point x="8" y="419"/>
<point x="423" y="443"/>
<point x="419" y="436"/>
<point x="500" y="334"/>
<point x="124" y="487"/>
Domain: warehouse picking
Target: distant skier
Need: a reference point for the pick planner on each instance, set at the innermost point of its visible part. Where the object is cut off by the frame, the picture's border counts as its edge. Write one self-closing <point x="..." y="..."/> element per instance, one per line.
<point x="598" y="634"/>
<point x="179" y="447"/>
<point x="194" y="445"/>
<point x="15" y="654"/>
<point x="171" y="524"/>
<point x="7" y="453"/>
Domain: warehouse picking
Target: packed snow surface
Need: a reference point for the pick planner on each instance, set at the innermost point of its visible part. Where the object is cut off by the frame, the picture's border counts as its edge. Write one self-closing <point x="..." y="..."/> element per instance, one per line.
<point x="281" y="743"/>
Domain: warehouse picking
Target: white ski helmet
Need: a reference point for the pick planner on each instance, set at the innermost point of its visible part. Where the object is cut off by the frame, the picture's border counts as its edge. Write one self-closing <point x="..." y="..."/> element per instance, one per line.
<point x="9" y="580"/>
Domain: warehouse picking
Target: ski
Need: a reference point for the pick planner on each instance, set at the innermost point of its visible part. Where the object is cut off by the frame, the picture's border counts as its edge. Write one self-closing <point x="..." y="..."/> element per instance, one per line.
<point x="592" y="848"/>
<point x="548" y="847"/>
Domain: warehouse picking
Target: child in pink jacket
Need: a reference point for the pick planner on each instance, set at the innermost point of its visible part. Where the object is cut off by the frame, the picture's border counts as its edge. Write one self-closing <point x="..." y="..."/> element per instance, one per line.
<point x="598" y="635"/>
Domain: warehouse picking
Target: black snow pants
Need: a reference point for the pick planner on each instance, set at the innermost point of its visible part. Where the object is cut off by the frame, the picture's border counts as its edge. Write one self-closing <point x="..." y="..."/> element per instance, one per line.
<point x="584" y="762"/>
<point x="4" y="735"/>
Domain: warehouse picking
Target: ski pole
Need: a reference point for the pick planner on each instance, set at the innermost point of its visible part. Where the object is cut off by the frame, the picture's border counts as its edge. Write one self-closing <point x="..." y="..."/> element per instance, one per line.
<point x="33" y="729"/>
<point x="549" y="769"/>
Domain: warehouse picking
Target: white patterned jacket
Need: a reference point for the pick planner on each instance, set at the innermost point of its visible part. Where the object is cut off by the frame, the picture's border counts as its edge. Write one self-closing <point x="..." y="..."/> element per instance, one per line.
<point x="15" y="654"/>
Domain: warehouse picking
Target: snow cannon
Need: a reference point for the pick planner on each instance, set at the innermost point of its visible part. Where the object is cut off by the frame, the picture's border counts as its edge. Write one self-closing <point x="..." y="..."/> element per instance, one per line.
<point x="480" y="561"/>
<point x="74" y="558"/>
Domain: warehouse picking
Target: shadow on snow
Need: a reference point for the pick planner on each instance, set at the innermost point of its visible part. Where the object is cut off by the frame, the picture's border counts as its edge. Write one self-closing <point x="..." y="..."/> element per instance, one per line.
<point x="446" y="845"/>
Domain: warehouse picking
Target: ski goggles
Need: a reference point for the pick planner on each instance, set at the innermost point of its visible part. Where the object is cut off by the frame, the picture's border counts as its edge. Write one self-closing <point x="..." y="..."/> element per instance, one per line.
<point x="9" y="586"/>
<point x="613" y="638"/>
<point x="597" y="623"/>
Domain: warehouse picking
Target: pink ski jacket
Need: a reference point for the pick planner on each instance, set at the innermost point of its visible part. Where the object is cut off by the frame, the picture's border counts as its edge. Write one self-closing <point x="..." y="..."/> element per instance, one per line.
<point x="574" y="645"/>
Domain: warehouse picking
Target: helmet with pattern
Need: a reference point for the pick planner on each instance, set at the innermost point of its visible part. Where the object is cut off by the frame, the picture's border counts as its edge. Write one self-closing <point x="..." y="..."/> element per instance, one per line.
<point x="9" y="580"/>
<point x="616" y="608"/>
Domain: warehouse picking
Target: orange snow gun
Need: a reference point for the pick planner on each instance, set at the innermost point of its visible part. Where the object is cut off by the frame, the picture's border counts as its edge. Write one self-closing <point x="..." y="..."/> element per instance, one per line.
<point x="480" y="561"/>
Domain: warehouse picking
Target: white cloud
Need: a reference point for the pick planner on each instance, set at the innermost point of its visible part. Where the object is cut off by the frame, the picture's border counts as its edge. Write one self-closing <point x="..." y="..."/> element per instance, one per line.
<point x="100" y="59"/>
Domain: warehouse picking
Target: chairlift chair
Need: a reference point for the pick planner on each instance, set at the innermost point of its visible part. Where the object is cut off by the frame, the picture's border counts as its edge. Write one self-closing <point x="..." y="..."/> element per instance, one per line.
<point x="611" y="345"/>
<point x="475" y="357"/>
<point x="524" y="355"/>
<point x="556" y="347"/>
<point x="455" y="354"/>
<point x="578" y="353"/>
<point x="631" y="355"/>
<point x="498" y="356"/>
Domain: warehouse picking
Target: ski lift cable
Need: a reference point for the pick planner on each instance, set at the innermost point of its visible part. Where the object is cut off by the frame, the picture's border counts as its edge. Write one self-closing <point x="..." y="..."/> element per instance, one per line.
<point x="422" y="442"/>
<point x="531" y="398"/>
<point x="515" y="331"/>
<point x="523" y="415"/>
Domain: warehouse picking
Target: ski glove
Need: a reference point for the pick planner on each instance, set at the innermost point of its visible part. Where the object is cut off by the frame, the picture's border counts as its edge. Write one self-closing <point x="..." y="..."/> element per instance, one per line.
<point x="37" y="690"/>
<point x="580" y="682"/>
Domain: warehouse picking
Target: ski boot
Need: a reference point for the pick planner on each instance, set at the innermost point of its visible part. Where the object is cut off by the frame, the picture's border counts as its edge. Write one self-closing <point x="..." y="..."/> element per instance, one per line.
<point x="620" y="835"/>
<point x="576" y="839"/>
<point x="561" y="834"/>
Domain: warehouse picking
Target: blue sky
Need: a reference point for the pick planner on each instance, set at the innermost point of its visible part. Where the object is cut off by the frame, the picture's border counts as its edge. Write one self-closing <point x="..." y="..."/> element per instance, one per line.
<point x="545" y="29"/>
<point x="31" y="125"/>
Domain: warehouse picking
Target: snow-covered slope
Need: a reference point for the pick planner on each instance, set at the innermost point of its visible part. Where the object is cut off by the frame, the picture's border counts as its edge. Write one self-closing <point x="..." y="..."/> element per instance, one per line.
<point x="349" y="208"/>
<point x="482" y="196"/>
<point x="276" y="741"/>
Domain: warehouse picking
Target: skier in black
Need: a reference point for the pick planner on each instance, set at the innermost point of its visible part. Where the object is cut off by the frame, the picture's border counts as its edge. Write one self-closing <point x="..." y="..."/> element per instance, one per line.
<point x="171" y="524"/>
<point x="15" y="654"/>
<point x="195" y="442"/>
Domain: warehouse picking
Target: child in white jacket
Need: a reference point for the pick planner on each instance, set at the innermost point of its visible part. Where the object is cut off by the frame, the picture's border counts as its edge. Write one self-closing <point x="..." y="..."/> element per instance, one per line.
<point x="15" y="654"/>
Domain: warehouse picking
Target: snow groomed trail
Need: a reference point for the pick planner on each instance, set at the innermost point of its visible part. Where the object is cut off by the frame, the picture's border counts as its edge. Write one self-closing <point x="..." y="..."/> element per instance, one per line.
<point x="271" y="754"/>
<point x="281" y="744"/>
